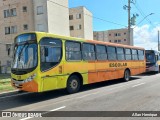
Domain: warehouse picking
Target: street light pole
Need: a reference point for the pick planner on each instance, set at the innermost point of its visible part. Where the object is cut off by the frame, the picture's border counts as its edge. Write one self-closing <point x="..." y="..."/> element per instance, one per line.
<point x="158" y="42"/>
<point x="129" y="22"/>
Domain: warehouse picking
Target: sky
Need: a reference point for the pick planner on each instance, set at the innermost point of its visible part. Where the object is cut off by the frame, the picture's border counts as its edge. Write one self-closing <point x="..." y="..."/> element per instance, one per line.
<point x="113" y="16"/>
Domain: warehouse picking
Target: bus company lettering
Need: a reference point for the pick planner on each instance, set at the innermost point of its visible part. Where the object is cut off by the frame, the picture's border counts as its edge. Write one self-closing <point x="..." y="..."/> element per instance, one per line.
<point x="117" y="64"/>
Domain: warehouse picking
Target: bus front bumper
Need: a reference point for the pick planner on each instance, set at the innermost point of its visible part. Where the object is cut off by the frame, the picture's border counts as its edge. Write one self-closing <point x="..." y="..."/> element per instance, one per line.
<point x="31" y="86"/>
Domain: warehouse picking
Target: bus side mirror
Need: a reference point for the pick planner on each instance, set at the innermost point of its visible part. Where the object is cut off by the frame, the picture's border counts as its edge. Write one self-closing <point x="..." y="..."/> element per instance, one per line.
<point x="156" y="57"/>
<point x="46" y="52"/>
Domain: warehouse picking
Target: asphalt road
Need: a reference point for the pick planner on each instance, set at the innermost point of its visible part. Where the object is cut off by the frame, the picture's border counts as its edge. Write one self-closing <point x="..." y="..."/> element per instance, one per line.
<point x="142" y="93"/>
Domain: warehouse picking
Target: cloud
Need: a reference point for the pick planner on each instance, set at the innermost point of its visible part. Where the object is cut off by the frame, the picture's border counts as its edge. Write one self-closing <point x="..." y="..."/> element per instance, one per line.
<point x="145" y="36"/>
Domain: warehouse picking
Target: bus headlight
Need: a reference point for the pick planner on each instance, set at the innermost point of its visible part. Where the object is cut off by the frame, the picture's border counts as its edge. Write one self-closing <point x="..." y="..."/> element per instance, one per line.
<point x="30" y="78"/>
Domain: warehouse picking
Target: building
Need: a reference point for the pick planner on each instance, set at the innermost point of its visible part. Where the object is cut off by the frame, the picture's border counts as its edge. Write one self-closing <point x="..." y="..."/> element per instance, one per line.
<point x="81" y="23"/>
<point x="115" y="36"/>
<point x="18" y="16"/>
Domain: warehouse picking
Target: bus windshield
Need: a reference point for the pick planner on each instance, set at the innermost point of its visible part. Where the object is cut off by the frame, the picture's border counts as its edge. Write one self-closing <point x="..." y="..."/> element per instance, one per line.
<point x="25" y="56"/>
<point x="150" y="57"/>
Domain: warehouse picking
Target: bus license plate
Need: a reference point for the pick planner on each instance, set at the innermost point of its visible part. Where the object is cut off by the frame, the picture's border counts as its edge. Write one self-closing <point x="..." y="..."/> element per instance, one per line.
<point x="17" y="85"/>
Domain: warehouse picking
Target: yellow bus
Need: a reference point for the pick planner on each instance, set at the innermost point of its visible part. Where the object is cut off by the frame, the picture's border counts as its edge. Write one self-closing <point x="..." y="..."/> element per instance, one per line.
<point x="44" y="62"/>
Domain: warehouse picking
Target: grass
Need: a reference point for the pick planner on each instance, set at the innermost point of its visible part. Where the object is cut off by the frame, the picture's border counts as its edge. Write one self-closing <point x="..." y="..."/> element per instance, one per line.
<point x="5" y="83"/>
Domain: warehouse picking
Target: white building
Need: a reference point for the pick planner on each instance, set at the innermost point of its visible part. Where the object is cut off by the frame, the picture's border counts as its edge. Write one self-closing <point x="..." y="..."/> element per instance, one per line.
<point x="81" y="23"/>
<point x="119" y="36"/>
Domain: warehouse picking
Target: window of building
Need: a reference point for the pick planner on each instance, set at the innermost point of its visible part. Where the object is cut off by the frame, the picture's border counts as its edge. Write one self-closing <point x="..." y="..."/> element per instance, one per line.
<point x="88" y="51"/>
<point x="39" y="10"/>
<point x="7" y="30"/>
<point x="115" y="41"/>
<point x="119" y="41"/>
<point x="24" y="8"/>
<point x="128" y="54"/>
<point x="115" y="34"/>
<point x="110" y="40"/>
<point x="40" y="27"/>
<point x="125" y="33"/>
<point x="119" y="34"/>
<point x="73" y="51"/>
<point x="134" y="54"/>
<point x="101" y="52"/>
<point x="13" y="12"/>
<point x="71" y="27"/>
<point x="13" y="29"/>
<point x="110" y="34"/>
<point x="25" y="27"/>
<point x="70" y="17"/>
<point x="111" y="53"/>
<point x="120" y="53"/>
<point x="79" y="27"/>
<point x="78" y="16"/>
<point x="6" y="13"/>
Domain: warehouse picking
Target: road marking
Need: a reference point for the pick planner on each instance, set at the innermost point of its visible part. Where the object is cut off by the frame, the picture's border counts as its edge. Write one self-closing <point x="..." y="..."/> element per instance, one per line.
<point x="56" y="109"/>
<point x="83" y="96"/>
<point x="138" y="85"/>
<point x="13" y="95"/>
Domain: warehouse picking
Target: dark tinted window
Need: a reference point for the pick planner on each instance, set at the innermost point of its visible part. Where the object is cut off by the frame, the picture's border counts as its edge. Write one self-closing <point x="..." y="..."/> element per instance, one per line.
<point x="141" y="54"/>
<point x="88" y="51"/>
<point x="128" y="54"/>
<point x="120" y="54"/>
<point x="51" y="52"/>
<point x="134" y="54"/>
<point x="101" y="52"/>
<point x="111" y="53"/>
<point x="73" y="50"/>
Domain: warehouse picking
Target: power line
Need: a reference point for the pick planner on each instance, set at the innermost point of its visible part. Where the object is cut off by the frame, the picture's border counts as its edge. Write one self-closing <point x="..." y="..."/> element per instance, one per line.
<point x="90" y="15"/>
<point x="141" y="11"/>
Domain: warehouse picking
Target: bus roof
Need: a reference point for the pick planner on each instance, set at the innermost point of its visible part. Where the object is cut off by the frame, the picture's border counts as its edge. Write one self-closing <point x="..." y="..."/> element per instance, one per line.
<point x="83" y="40"/>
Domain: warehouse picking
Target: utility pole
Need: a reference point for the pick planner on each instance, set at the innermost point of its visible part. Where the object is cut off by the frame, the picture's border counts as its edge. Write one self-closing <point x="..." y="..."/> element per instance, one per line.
<point x="129" y="22"/>
<point x="158" y="42"/>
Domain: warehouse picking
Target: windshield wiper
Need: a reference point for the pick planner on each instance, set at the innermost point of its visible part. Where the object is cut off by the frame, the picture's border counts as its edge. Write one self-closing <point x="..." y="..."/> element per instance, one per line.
<point x="20" y="53"/>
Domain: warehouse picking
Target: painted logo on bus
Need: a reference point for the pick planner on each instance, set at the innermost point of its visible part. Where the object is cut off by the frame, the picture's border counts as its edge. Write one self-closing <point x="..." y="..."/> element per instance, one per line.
<point x="117" y="64"/>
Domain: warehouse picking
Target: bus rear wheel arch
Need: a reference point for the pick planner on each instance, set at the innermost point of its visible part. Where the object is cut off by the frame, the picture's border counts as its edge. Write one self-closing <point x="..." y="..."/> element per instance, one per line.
<point x="127" y="74"/>
<point x="73" y="84"/>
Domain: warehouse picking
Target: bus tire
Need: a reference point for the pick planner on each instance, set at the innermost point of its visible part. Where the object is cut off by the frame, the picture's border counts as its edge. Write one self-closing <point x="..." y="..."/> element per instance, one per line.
<point x="126" y="77"/>
<point x="73" y="84"/>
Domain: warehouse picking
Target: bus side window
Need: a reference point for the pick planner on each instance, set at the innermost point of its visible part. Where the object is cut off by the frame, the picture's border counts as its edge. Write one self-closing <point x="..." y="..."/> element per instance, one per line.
<point x="111" y="53"/>
<point x="88" y="51"/>
<point x="141" y="54"/>
<point x="120" y="53"/>
<point x="73" y="50"/>
<point x="51" y="52"/>
<point x="101" y="52"/>
<point x="128" y="54"/>
<point x="134" y="54"/>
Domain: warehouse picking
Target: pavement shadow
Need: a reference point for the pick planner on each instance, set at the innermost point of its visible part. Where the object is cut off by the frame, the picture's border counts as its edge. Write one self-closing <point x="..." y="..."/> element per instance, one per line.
<point x="148" y="74"/>
<point x="31" y="98"/>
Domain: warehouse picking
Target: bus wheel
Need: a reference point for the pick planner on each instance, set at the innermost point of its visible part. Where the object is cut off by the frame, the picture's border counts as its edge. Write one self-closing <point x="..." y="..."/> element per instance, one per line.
<point x="73" y="84"/>
<point x="126" y="75"/>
